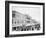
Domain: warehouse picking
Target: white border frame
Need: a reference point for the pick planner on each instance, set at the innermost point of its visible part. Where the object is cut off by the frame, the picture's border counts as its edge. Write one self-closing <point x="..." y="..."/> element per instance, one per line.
<point x="24" y="32"/>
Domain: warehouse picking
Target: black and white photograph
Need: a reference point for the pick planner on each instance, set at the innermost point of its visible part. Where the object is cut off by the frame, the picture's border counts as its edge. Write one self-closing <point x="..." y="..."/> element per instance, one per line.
<point x="25" y="18"/>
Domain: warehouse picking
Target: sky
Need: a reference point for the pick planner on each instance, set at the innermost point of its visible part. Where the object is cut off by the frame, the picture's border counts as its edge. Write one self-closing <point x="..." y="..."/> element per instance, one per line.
<point x="34" y="12"/>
